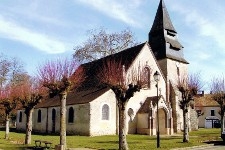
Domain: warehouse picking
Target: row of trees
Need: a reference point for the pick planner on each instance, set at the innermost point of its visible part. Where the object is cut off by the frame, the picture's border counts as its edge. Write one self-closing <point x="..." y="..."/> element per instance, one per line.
<point x="217" y="88"/>
<point x="55" y="78"/>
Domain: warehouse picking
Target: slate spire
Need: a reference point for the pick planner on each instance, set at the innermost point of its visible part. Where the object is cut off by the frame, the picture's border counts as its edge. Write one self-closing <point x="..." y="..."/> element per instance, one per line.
<point x="163" y="36"/>
<point x="162" y="19"/>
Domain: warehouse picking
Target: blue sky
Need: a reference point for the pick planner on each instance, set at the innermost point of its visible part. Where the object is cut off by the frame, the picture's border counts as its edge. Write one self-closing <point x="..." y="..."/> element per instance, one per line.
<point x="39" y="30"/>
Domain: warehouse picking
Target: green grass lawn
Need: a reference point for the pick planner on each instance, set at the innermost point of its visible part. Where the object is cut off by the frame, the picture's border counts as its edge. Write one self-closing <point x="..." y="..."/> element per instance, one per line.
<point x="136" y="142"/>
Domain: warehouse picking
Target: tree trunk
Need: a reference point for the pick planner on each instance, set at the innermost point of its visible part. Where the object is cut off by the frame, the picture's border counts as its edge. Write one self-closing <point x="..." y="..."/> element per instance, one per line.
<point x="28" y="126"/>
<point x="7" y="126"/>
<point x="63" y="121"/>
<point x="122" y="126"/>
<point x="185" y="126"/>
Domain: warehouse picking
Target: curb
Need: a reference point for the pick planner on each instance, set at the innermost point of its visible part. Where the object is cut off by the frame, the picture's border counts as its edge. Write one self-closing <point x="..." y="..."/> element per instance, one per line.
<point x="200" y="146"/>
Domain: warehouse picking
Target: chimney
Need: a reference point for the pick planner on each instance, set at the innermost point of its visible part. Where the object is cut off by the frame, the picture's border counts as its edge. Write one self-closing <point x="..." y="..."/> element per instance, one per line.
<point x="203" y="93"/>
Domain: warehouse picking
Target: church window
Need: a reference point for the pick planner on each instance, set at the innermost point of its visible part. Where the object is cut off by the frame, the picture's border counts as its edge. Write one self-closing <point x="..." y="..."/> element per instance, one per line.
<point x="131" y="113"/>
<point x="71" y="115"/>
<point x="105" y="112"/>
<point x="20" y="117"/>
<point x="178" y="71"/>
<point x="53" y="114"/>
<point x="146" y="77"/>
<point x="39" y="116"/>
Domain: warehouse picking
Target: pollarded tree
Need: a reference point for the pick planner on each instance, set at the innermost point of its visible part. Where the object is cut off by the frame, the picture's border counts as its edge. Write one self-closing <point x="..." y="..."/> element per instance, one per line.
<point x="112" y="73"/>
<point x="188" y="86"/>
<point x="8" y="102"/>
<point x="31" y="92"/>
<point x="218" y="94"/>
<point x="100" y="44"/>
<point x="60" y="77"/>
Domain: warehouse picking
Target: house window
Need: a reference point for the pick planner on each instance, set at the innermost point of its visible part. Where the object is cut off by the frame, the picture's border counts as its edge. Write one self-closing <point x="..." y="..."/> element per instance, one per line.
<point x="212" y="112"/>
<point x="105" y="112"/>
<point x="71" y="115"/>
<point x="20" y="117"/>
<point x="39" y="116"/>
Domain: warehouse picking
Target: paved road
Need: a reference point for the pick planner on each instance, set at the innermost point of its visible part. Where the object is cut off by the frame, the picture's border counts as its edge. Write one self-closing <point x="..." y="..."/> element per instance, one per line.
<point x="205" y="147"/>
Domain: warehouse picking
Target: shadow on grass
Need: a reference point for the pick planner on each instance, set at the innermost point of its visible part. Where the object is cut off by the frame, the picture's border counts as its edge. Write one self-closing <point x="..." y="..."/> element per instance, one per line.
<point x="215" y="142"/>
<point x="170" y="138"/>
<point x="110" y="142"/>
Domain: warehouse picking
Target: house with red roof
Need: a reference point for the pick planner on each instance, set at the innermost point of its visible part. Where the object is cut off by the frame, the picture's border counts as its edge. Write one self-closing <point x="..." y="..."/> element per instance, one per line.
<point x="208" y="111"/>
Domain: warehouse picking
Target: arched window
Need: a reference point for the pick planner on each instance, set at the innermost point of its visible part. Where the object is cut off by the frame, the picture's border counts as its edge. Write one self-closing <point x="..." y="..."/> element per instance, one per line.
<point x="71" y="115"/>
<point x="20" y="117"/>
<point x="105" y="112"/>
<point x="53" y="114"/>
<point x="39" y="116"/>
<point x="146" y="77"/>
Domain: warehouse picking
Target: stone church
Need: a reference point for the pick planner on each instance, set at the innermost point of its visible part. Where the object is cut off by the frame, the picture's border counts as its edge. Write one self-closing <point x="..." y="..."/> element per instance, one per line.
<point x="93" y="111"/>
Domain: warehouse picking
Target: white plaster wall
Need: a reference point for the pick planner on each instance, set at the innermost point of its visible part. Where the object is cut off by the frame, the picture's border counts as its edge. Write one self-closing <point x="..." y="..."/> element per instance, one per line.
<point x="207" y="113"/>
<point x="57" y="124"/>
<point x="169" y="68"/>
<point x="81" y="124"/>
<point x="172" y="70"/>
<point x="145" y="58"/>
<point x="21" y="126"/>
<point x="39" y="126"/>
<point x="99" y="126"/>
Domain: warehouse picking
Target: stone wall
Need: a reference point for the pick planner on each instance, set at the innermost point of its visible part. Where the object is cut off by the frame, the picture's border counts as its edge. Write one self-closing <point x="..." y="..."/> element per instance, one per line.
<point x="193" y="119"/>
<point x="98" y="126"/>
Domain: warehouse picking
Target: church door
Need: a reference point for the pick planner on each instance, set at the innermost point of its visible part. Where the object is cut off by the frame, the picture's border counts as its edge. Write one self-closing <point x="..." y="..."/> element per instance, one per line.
<point x="162" y="121"/>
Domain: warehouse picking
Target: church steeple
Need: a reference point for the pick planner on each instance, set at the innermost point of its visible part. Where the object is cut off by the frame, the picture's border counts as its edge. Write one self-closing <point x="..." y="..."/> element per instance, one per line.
<point x="163" y="36"/>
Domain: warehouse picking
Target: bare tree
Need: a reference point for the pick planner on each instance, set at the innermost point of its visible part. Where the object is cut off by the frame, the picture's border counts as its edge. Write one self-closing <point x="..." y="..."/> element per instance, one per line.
<point x="60" y="77"/>
<point x="30" y="92"/>
<point x="17" y="73"/>
<point x="100" y="44"/>
<point x="112" y="73"/>
<point x="8" y="102"/>
<point x="218" y="94"/>
<point x="188" y="86"/>
<point x="11" y="70"/>
<point x="4" y="69"/>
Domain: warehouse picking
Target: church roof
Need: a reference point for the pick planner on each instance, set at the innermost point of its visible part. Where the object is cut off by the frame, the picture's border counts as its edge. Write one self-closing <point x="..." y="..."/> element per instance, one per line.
<point x="91" y="88"/>
<point x="162" y="19"/>
<point x="75" y="97"/>
<point x="126" y="57"/>
<point x="145" y="107"/>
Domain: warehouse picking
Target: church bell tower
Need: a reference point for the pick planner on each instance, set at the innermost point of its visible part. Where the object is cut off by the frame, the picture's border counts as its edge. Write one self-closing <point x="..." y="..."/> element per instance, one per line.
<point x="163" y="40"/>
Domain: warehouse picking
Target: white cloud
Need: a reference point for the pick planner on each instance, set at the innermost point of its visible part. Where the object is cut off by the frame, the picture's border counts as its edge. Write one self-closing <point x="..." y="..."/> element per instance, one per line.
<point x="115" y="9"/>
<point x="204" y="24"/>
<point x="43" y="42"/>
